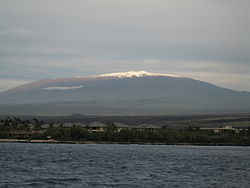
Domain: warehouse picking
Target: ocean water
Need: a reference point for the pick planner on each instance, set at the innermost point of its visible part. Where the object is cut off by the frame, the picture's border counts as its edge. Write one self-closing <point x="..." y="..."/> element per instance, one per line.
<point x="123" y="166"/>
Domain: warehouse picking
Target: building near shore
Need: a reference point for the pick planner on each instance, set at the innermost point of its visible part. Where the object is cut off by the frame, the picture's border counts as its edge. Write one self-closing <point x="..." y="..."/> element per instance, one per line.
<point x="225" y="128"/>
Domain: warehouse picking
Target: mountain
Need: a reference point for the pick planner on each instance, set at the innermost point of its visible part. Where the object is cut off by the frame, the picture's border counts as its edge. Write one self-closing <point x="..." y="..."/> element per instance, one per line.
<point x="126" y="93"/>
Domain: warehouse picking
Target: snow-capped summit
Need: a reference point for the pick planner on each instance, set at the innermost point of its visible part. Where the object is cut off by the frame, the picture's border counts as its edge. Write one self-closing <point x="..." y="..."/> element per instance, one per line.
<point x="136" y="74"/>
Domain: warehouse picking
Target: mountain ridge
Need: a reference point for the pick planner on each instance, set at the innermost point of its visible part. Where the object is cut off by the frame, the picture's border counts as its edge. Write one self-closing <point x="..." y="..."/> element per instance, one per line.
<point x="118" y="75"/>
<point x="133" y="92"/>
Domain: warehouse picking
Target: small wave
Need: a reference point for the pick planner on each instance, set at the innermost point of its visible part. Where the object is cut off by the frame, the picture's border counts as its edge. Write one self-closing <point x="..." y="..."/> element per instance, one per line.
<point x="53" y="181"/>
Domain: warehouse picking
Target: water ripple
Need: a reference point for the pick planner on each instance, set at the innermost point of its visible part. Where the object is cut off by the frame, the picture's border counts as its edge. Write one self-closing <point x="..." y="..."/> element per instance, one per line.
<point x="122" y="166"/>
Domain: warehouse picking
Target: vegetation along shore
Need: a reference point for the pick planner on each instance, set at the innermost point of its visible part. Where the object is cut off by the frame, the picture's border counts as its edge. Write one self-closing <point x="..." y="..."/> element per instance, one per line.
<point x="14" y="129"/>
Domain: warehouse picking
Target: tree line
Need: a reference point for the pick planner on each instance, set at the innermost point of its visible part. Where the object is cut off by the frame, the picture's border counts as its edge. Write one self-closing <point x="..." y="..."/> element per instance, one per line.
<point x="16" y="128"/>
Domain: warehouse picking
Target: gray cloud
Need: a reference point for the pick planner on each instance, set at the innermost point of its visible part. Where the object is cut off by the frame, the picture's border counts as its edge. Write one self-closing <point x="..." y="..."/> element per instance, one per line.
<point x="204" y="39"/>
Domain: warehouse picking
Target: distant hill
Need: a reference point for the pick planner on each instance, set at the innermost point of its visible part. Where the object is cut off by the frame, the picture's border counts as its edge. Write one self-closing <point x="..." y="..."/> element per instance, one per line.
<point x="128" y="93"/>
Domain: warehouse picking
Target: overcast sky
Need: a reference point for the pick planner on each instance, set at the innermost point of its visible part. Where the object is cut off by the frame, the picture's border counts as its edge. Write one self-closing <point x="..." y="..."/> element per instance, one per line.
<point x="203" y="39"/>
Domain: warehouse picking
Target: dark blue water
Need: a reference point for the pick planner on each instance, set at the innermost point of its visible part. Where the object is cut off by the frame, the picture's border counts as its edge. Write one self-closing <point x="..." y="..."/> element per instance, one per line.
<point x="62" y="165"/>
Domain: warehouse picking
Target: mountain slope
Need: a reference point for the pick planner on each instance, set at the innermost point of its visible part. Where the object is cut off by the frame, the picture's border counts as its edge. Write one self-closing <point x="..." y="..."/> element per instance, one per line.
<point x="129" y="93"/>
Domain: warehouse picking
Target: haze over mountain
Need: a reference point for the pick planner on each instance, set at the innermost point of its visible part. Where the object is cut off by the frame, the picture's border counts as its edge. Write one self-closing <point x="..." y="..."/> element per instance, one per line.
<point x="124" y="93"/>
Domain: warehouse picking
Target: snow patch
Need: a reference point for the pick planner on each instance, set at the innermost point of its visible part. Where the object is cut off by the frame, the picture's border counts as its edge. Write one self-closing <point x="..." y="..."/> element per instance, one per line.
<point x="135" y="74"/>
<point x="63" y="88"/>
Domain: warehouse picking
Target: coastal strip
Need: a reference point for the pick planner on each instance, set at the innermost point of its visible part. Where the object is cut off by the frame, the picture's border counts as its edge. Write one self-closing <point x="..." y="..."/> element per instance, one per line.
<point x="52" y="141"/>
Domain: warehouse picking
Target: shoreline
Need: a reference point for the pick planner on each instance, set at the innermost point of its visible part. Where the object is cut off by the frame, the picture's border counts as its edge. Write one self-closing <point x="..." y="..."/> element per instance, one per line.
<point x="52" y="141"/>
